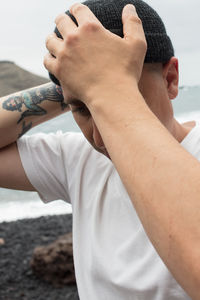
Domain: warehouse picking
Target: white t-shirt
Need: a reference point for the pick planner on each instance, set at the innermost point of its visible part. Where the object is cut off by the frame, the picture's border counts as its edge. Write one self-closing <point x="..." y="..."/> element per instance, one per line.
<point x="113" y="257"/>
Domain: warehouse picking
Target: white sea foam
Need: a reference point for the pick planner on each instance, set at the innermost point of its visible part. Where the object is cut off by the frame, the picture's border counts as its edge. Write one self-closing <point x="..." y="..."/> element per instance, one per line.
<point x="31" y="208"/>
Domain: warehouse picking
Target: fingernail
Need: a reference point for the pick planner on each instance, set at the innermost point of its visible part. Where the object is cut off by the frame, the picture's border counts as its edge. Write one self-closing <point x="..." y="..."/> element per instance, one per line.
<point x="130" y="8"/>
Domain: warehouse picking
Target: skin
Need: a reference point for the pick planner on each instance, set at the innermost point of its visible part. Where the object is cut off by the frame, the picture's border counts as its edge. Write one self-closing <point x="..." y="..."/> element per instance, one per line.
<point x="164" y="190"/>
<point x="20" y="112"/>
<point x="23" y="110"/>
<point x="157" y="88"/>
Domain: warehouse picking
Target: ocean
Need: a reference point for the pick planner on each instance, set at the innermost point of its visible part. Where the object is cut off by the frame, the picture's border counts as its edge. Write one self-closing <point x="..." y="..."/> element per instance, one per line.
<point x="16" y="205"/>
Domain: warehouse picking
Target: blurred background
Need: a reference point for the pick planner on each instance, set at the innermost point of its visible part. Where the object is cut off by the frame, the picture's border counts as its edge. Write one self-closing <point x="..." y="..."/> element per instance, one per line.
<point x="25" y="25"/>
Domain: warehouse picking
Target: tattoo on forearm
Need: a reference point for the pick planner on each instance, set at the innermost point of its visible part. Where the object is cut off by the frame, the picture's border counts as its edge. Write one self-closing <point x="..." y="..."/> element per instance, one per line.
<point x="31" y="99"/>
<point x="25" y="128"/>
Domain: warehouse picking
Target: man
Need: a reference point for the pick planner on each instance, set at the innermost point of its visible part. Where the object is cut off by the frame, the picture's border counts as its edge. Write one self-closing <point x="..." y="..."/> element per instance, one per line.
<point x="114" y="258"/>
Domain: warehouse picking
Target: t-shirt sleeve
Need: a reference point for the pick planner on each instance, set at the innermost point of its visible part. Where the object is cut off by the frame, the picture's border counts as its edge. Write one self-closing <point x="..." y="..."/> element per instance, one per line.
<point x="42" y="159"/>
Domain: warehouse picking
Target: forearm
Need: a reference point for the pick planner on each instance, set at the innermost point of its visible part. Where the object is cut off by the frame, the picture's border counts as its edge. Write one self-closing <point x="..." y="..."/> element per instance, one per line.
<point x="162" y="179"/>
<point x="24" y="110"/>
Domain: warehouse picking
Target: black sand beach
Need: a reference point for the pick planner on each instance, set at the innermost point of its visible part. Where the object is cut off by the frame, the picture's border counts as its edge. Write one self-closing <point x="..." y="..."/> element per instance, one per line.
<point x="17" y="281"/>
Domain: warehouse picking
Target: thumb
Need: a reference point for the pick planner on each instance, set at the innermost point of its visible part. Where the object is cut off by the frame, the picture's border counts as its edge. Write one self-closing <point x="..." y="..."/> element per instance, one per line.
<point x="132" y="25"/>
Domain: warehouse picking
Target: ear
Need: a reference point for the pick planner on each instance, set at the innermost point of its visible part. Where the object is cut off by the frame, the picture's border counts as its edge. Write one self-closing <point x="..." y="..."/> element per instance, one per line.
<point x="171" y="77"/>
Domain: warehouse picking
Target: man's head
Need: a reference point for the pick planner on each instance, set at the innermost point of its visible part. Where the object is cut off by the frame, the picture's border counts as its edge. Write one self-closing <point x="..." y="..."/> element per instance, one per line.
<point x="109" y="13"/>
<point x="159" y="80"/>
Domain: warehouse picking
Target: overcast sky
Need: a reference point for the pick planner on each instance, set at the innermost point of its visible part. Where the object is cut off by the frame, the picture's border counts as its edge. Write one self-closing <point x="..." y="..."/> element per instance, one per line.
<point x="24" y="26"/>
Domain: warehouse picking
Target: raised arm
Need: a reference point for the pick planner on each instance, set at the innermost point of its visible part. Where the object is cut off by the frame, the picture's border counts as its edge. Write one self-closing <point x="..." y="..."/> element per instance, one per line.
<point x="20" y="112"/>
<point x="24" y="110"/>
<point x="162" y="179"/>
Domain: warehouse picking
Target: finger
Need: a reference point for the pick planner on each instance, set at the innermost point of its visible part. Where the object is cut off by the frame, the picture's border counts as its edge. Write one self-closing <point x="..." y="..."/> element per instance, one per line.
<point x="83" y="14"/>
<point x="65" y="24"/>
<point x="132" y="25"/>
<point x="53" y="44"/>
<point x="49" y="63"/>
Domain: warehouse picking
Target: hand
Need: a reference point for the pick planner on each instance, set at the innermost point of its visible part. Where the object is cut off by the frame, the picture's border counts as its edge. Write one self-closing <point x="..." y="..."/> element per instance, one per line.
<point x="91" y="59"/>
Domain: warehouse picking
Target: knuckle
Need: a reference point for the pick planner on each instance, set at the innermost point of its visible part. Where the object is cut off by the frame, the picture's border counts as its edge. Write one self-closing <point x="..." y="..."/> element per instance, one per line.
<point x="91" y="26"/>
<point x="76" y="8"/>
<point x="138" y="41"/>
<point x="138" y="45"/>
<point x="142" y="42"/>
<point x="59" y="18"/>
<point x="71" y="39"/>
<point x="55" y="69"/>
<point x="134" y="19"/>
<point x="62" y="54"/>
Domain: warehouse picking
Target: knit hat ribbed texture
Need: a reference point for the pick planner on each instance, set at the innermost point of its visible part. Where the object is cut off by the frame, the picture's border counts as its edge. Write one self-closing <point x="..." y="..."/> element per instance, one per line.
<point x="109" y="13"/>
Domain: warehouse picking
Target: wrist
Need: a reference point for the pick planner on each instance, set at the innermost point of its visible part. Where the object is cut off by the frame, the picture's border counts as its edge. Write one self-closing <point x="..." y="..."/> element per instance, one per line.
<point x="110" y="93"/>
<point x="115" y="97"/>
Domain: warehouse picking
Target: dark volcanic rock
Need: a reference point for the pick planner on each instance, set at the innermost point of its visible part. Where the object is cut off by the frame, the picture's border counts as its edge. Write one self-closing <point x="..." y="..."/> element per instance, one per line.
<point x="17" y="281"/>
<point x="13" y="78"/>
<point x="54" y="263"/>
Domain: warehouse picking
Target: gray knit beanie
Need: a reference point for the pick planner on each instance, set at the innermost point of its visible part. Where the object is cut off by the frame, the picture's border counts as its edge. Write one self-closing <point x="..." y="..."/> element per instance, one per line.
<point x="109" y="13"/>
